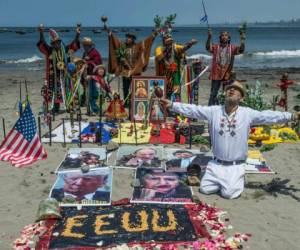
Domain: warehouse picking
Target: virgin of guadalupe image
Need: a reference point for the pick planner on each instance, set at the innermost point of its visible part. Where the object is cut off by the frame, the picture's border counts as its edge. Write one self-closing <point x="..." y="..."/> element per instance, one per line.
<point x="157" y="112"/>
<point x="141" y="112"/>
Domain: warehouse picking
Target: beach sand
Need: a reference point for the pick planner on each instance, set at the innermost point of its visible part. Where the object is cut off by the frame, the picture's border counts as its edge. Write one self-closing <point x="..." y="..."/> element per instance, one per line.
<point x="274" y="222"/>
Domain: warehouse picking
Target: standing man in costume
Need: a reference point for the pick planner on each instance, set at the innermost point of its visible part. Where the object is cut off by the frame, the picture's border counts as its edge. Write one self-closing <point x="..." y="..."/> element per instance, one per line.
<point x="230" y="125"/>
<point x="128" y="58"/>
<point x="92" y="59"/>
<point x="168" y="61"/>
<point x="91" y="55"/>
<point x="222" y="60"/>
<point x="57" y="57"/>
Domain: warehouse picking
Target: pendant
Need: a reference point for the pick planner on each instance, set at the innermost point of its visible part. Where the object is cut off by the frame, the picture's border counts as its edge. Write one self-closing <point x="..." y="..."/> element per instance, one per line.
<point x="60" y="65"/>
<point x="221" y="132"/>
<point x="232" y="133"/>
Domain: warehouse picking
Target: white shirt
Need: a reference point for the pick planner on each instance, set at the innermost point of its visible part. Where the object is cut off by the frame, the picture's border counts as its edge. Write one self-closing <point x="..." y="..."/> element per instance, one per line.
<point x="85" y="197"/>
<point x="225" y="145"/>
<point x="185" y="162"/>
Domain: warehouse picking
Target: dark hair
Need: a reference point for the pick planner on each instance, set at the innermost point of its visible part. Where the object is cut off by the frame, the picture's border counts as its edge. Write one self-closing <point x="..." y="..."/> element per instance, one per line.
<point x="182" y="151"/>
<point x="229" y="37"/>
<point x="143" y="149"/>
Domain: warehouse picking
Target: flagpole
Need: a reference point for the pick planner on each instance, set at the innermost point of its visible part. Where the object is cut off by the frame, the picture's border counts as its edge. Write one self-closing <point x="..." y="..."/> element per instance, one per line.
<point x="203" y="5"/>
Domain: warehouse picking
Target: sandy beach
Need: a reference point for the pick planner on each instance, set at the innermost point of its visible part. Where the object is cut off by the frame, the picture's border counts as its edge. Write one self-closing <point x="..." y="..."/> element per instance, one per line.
<point x="272" y="221"/>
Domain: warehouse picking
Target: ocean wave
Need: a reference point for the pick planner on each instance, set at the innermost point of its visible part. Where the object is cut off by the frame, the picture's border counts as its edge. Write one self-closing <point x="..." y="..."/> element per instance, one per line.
<point x="32" y="59"/>
<point x="194" y="56"/>
<point x="278" y="53"/>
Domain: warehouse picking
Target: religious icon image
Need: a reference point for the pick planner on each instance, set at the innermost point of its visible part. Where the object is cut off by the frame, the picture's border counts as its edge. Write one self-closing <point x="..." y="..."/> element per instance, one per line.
<point x="142" y="156"/>
<point x="160" y="186"/>
<point x="79" y="157"/>
<point x="157" y="85"/>
<point x="74" y="188"/>
<point x="116" y="109"/>
<point x="141" y="110"/>
<point x="141" y="89"/>
<point x="157" y="111"/>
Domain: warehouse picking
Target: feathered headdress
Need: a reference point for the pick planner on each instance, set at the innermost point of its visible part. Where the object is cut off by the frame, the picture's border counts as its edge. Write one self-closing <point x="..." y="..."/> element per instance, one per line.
<point x="54" y="35"/>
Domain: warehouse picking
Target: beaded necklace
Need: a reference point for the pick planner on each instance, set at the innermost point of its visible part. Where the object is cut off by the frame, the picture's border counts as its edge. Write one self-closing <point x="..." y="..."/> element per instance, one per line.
<point x="231" y="124"/>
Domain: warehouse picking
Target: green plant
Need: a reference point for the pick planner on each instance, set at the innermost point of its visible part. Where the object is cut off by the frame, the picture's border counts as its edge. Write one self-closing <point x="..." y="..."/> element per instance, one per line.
<point x="268" y="147"/>
<point x="199" y="139"/>
<point x="121" y="52"/>
<point x="254" y="98"/>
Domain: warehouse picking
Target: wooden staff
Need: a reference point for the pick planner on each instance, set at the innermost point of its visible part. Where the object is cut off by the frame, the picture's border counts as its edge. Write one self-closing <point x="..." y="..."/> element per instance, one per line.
<point x="87" y="91"/>
<point x="20" y="100"/>
<point x="26" y="91"/>
<point x="39" y="126"/>
<point x="3" y="126"/>
<point x="120" y="131"/>
<point x="64" y="132"/>
<point x="135" y="132"/>
<point x="53" y="115"/>
<point x="190" y="135"/>
<point x="100" y="118"/>
<point x="80" y="142"/>
<point x="50" y="129"/>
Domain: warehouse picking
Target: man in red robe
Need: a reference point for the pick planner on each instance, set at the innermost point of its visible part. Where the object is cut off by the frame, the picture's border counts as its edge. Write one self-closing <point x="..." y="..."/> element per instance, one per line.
<point x="222" y="61"/>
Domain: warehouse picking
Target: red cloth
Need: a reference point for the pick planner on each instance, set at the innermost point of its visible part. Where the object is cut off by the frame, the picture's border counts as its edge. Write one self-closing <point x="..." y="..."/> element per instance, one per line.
<point x="222" y="72"/>
<point x="167" y="136"/>
<point x="102" y="82"/>
<point x="94" y="59"/>
<point x="284" y="84"/>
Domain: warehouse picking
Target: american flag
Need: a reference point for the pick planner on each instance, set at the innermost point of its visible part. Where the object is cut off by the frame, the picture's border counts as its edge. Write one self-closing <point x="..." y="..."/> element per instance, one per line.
<point x="22" y="145"/>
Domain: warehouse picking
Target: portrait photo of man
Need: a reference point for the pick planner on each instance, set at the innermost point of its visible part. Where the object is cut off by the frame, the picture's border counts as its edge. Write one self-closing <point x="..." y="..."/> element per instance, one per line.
<point x="140" y="157"/>
<point x="183" y="159"/>
<point x="76" y="187"/>
<point x="158" y="185"/>
<point x="76" y="158"/>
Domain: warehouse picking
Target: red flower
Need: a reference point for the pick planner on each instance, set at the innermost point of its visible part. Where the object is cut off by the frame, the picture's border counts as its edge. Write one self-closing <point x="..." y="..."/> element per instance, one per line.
<point x="173" y="67"/>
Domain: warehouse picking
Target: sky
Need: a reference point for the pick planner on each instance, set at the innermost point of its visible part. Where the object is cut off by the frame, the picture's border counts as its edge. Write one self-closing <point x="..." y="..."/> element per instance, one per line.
<point x="141" y="12"/>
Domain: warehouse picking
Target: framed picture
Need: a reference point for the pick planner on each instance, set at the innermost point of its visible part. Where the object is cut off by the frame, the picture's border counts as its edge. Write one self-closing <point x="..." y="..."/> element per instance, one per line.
<point x="182" y="159"/>
<point x="78" y="157"/>
<point x="75" y="188"/>
<point x="160" y="186"/>
<point x="139" y="156"/>
<point x="145" y="104"/>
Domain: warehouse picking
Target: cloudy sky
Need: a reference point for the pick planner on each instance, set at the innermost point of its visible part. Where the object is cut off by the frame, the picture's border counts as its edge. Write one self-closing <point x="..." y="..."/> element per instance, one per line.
<point x="141" y="12"/>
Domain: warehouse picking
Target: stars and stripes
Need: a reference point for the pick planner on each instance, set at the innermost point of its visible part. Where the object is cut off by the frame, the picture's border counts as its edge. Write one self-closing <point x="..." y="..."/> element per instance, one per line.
<point x="22" y="145"/>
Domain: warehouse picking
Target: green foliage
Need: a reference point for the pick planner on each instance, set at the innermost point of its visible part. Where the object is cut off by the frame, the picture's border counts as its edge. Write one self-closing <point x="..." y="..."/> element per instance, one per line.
<point x="243" y="27"/>
<point x="171" y="19"/>
<point x="274" y="101"/>
<point x="286" y="136"/>
<point x="121" y="52"/>
<point x="198" y="139"/>
<point x="160" y="23"/>
<point x="254" y="98"/>
<point x="267" y="147"/>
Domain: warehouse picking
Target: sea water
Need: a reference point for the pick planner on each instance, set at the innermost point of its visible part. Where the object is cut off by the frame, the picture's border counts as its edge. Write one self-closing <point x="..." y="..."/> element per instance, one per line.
<point x="266" y="47"/>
